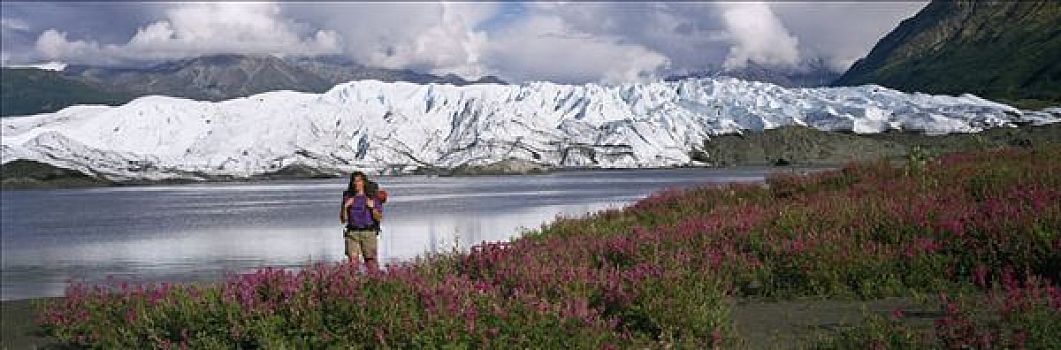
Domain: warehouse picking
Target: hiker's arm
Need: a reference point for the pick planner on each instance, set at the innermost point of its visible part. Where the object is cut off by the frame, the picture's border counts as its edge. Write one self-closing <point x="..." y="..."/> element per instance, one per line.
<point x="377" y="215"/>
<point x="343" y="209"/>
<point x="377" y="212"/>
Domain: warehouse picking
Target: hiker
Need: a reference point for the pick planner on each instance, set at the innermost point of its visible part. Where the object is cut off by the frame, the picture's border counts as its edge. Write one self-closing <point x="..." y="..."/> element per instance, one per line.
<point x="361" y="212"/>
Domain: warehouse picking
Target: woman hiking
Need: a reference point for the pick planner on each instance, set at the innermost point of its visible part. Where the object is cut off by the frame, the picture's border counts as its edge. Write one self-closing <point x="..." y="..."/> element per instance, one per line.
<point x="361" y="212"/>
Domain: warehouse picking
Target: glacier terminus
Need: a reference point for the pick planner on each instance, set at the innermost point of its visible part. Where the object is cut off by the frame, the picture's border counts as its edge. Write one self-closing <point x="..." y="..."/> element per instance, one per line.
<point x="397" y="128"/>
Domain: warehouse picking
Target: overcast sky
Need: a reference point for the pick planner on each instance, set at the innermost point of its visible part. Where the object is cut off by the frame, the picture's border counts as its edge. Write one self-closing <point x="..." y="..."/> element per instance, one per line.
<point x="563" y="42"/>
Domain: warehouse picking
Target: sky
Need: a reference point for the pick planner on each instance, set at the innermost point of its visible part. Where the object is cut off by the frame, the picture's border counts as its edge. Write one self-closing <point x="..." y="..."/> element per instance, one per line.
<point x="566" y="42"/>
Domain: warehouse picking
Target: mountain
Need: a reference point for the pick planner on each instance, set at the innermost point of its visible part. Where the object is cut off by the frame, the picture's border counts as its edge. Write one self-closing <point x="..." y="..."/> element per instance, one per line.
<point x="404" y="127"/>
<point x="31" y="91"/>
<point x="211" y="78"/>
<point x="812" y="73"/>
<point x="222" y="77"/>
<point x="338" y="69"/>
<point x="1006" y="50"/>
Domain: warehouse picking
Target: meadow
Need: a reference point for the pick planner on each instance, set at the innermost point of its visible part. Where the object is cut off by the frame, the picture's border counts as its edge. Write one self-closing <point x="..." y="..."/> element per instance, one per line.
<point x="975" y="233"/>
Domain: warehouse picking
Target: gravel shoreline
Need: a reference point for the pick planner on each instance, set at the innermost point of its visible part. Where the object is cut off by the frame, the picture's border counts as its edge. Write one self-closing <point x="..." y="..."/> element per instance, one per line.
<point x="19" y="329"/>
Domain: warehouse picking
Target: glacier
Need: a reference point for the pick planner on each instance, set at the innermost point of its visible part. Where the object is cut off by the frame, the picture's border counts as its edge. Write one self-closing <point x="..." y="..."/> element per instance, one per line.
<point x="401" y="127"/>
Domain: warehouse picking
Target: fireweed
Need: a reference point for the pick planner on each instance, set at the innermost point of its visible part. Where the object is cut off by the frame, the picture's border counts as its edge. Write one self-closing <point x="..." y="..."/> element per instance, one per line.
<point x="662" y="272"/>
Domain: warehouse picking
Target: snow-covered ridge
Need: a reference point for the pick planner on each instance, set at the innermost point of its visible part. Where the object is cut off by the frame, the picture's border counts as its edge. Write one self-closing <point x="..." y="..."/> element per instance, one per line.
<point x="398" y="127"/>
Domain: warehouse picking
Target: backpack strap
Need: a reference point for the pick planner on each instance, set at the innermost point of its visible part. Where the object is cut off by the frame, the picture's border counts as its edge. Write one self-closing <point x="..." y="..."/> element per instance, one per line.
<point x="375" y="223"/>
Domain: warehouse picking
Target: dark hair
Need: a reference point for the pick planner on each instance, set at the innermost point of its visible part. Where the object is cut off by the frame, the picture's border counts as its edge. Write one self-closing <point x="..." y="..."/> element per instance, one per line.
<point x="370" y="186"/>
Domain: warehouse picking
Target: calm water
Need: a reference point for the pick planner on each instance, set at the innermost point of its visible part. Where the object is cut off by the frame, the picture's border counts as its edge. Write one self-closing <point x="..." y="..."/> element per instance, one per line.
<point x="200" y="232"/>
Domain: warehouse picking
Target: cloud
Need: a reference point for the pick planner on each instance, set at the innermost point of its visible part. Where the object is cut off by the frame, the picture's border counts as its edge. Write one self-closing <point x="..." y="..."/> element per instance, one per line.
<point x="707" y="36"/>
<point x="757" y="36"/>
<point x="687" y="34"/>
<point x="547" y="48"/>
<point x="840" y="32"/>
<point x="573" y="42"/>
<point x="451" y="38"/>
<point x="10" y="27"/>
<point x="435" y="37"/>
<point x="690" y="36"/>
<point x="53" y="44"/>
<point x="197" y="29"/>
<point x="13" y="24"/>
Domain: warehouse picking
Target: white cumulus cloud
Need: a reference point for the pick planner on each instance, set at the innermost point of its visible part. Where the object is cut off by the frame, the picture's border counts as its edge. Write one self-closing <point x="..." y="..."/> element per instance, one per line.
<point x="196" y="29"/>
<point x="757" y="36"/>
<point x="439" y="38"/>
<point x="547" y="48"/>
<point x="842" y="32"/>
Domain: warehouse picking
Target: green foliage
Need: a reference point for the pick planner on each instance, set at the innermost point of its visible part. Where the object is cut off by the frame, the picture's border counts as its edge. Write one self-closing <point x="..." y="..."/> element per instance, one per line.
<point x="663" y="272"/>
<point x="878" y="332"/>
<point x="1015" y="316"/>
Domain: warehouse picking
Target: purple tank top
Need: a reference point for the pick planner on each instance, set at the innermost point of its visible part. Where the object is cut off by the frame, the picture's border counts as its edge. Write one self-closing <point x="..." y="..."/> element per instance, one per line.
<point x="359" y="216"/>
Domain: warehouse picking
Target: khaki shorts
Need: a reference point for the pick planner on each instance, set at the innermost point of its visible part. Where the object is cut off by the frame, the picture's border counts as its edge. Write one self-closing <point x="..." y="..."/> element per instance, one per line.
<point x="360" y="243"/>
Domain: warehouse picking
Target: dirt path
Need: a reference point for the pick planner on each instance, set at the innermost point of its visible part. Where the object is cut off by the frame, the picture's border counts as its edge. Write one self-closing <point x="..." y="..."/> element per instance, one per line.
<point x="18" y="329"/>
<point x="794" y="324"/>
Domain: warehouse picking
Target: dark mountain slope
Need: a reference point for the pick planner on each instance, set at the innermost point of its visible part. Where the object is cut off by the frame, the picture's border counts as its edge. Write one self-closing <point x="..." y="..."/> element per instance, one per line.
<point x="30" y="91"/>
<point x="1008" y="50"/>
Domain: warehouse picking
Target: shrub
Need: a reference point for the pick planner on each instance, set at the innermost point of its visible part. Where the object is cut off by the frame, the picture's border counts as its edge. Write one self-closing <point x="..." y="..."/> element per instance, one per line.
<point x="662" y="272"/>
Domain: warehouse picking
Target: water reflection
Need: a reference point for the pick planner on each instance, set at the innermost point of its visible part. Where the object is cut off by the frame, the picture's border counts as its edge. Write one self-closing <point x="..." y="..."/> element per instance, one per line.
<point x="201" y="232"/>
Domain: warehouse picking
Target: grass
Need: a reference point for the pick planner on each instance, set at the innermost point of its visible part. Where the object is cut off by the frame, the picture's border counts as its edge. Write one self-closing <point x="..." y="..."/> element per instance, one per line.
<point x="977" y="230"/>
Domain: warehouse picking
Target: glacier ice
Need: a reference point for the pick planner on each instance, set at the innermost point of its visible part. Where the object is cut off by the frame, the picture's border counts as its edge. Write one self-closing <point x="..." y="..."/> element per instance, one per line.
<point x="400" y="127"/>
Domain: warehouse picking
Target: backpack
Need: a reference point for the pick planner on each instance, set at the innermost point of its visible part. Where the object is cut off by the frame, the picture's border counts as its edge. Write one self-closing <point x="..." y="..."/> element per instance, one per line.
<point x="380" y="196"/>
